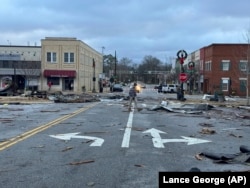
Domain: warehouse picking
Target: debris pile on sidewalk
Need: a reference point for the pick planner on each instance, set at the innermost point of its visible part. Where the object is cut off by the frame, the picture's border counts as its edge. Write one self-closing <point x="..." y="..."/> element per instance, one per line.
<point x="73" y="98"/>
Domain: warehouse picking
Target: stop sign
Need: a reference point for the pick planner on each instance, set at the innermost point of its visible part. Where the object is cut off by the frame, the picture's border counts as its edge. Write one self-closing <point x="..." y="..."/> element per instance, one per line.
<point x="183" y="77"/>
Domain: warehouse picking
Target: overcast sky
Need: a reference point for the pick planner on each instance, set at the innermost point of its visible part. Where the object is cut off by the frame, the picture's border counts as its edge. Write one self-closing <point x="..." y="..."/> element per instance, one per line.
<point x="132" y="28"/>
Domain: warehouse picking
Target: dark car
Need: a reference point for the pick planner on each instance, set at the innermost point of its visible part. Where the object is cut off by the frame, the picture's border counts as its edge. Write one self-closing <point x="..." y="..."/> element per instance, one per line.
<point x="156" y="87"/>
<point x="117" y="88"/>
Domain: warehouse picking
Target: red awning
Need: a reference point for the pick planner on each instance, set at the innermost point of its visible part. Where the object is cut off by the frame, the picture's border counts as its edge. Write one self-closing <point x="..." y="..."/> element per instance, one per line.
<point x="59" y="73"/>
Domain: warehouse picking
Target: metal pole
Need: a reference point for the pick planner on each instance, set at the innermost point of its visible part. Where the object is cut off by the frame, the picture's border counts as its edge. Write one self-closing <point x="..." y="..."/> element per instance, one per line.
<point x="94" y="79"/>
<point x="115" y="64"/>
<point x="103" y="60"/>
<point x="182" y="90"/>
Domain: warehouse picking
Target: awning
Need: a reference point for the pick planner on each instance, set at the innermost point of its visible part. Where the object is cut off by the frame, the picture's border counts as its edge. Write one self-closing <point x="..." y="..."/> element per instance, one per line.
<point x="59" y="73"/>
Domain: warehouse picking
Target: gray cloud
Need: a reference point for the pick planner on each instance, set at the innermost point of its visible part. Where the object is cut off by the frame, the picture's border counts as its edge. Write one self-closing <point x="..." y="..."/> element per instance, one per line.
<point x="132" y="28"/>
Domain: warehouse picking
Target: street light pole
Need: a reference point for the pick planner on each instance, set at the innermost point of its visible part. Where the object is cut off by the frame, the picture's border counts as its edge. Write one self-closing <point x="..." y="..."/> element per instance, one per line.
<point x="103" y="60"/>
<point x="94" y="78"/>
<point x="115" y="64"/>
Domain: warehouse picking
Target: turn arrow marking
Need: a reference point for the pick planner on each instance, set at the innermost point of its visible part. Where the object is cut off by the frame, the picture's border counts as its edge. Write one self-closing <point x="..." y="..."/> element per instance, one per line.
<point x="68" y="136"/>
<point x="189" y="140"/>
<point x="159" y="142"/>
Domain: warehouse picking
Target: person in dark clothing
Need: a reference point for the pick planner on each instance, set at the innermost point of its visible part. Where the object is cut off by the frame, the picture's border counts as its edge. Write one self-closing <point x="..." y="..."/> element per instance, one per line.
<point x="133" y="97"/>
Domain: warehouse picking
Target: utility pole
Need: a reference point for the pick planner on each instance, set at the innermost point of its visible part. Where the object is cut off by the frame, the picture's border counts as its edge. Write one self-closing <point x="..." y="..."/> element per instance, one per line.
<point x="115" y="64"/>
<point x="103" y="60"/>
<point x="94" y="79"/>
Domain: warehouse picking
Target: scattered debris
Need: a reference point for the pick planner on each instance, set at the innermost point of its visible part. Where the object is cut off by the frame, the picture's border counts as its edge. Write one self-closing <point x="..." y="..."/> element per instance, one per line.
<point x="139" y="165"/>
<point x="207" y="131"/>
<point x="206" y="125"/>
<point x="239" y="158"/>
<point x="242" y="116"/>
<point x="40" y="146"/>
<point x="49" y="110"/>
<point x="72" y="98"/>
<point x="81" y="162"/>
<point x="189" y="108"/>
<point x="67" y="148"/>
<point x="194" y="169"/>
<point x="6" y="120"/>
<point x="90" y="184"/>
<point x="198" y="157"/>
<point x="237" y="136"/>
<point x="15" y="109"/>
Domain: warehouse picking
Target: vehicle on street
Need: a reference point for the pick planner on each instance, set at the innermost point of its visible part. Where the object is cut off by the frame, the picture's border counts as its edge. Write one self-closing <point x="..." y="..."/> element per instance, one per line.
<point x="170" y="88"/>
<point x="160" y="88"/>
<point x="156" y="87"/>
<point x="117" y="88"/>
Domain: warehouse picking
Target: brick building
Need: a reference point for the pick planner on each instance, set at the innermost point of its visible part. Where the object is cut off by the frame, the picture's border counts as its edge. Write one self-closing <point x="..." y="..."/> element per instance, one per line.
<point x="222" y="68"/>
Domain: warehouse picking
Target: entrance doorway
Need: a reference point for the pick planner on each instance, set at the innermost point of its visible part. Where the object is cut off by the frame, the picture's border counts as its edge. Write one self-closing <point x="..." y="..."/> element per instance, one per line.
<point x="68" y="84"/>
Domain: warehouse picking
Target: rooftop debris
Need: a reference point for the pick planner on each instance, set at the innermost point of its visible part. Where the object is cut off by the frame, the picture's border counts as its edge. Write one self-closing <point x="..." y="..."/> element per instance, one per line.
<point x="190" y="108"/>
<point x="73" y="98"/>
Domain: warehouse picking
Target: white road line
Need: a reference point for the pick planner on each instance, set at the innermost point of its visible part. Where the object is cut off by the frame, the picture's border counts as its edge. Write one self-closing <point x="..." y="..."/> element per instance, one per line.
<point x="126" y="137"/>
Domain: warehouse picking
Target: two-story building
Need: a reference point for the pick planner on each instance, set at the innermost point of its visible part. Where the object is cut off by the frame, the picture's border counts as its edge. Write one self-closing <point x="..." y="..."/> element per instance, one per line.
<point x="222" y="67"/>
<point x="20" y="65"/>
<point x="69" y="64"/>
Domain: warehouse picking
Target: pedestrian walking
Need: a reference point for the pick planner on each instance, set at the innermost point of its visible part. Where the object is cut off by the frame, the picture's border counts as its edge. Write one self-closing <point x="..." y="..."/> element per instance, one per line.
<point x="49" y="85"/>
<point x="133" y="97"/>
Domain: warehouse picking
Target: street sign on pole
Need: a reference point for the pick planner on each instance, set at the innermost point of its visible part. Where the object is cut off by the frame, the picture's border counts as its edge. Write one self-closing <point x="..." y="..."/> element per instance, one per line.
<point x="183" y="77"/>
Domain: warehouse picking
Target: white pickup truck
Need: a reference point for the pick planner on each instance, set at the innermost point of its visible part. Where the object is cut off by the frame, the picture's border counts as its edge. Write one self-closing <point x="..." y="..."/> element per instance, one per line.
<point x="170" y="88"/>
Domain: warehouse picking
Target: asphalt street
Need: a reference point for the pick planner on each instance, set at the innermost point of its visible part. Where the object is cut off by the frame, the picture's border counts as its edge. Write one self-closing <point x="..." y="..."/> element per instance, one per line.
<point x="101" y="144"/>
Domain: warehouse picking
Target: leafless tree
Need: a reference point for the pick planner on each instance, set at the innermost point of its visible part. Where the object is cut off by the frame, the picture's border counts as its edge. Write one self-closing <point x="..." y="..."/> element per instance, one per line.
<point x="247" y="72"/>
<point x="241" y="68"/>
<point x="30" y="70"/>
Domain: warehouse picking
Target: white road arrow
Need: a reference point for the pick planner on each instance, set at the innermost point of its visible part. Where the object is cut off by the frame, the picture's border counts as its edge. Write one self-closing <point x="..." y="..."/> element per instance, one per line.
<point x="155" y="133"/>
<point x="68" y="136"/>
<point x="159" y="142"/>
<point x="189" y="140"/>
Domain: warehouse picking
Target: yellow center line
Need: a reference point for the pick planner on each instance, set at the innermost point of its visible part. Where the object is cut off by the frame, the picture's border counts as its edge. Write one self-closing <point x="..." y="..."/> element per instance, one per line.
<point x="21" y="137"/>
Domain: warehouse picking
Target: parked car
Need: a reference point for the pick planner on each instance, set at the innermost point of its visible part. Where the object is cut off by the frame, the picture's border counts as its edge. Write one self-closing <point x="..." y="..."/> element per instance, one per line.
<point x="170" y="88"/>
<point x="160" y="88"/>
<point x="156" y="87"/>
<point x="117" y="88"/>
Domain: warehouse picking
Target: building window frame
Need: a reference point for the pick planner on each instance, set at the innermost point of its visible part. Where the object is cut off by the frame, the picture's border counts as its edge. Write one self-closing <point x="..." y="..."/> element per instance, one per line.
<point x="225" y="65"/>
<point x="54" y="80"/>
<point x="208" y="65"/>
<point x="243" y="65"/>
<point x="225" y="83"/>
<point x="243" y="84"/>
<point x="69" y="57"/>
<point x="51" y="57"/>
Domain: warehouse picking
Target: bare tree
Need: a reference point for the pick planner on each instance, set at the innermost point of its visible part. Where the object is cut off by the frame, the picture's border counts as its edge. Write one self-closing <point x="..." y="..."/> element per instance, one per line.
<point x="247" y="64"/>
<point x="241" y="70"/>
<point x="124" y="68"/>
<point x="31" y="70"/>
